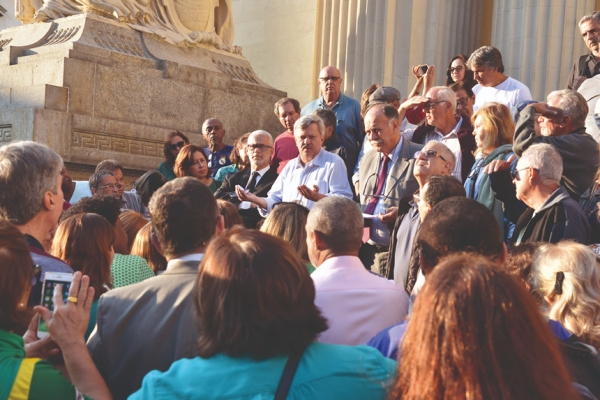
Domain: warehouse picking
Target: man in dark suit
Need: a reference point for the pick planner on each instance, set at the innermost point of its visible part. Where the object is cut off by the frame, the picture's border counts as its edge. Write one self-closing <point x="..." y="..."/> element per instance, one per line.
<point x="385" y="176"/>
<point x="258" y="180"/>
<point x="150" y="325"/>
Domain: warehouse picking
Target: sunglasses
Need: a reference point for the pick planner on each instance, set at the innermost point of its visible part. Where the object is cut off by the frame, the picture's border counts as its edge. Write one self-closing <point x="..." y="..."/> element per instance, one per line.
<point x="458" y="68"/>
<point x="515" y="174"/>
<point x="177" y="145"/>
<point x="429" y="154"/>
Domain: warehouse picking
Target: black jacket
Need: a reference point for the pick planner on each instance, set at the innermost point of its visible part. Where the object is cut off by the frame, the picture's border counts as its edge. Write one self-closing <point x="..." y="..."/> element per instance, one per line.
<point x="251" y="215"/>
<point x="559" y="218"/>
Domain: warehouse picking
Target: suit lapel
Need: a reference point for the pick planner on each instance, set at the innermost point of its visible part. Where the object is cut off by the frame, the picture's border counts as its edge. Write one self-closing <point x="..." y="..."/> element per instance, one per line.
<point x="266" y="181"/>
<point x="244" y="178"/>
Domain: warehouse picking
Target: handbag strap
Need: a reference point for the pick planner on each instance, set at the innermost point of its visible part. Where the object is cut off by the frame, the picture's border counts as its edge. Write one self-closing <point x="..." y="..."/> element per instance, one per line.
<point x="288" y="375"/>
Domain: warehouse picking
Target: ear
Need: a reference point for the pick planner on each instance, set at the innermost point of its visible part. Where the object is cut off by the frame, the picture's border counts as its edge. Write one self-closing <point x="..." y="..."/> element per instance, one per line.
<point x="566" y="120"/>
<point x="220" y="225"/>
<point x="48" y="201"/>
<point x="504" y="255"/>
<point x="424" y="263"/>
<point x="94" y="190"/>
<point x="154" y="241"/>
<point x="319" y="242"/>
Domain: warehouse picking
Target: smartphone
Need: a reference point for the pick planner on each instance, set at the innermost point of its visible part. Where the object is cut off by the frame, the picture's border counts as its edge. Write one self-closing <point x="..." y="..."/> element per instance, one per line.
<point x="424" y="68"/>
<point x="50" y="281"/>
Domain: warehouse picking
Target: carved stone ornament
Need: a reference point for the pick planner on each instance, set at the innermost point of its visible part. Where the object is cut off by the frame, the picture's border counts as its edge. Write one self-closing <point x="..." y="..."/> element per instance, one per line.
<point x="178" y="22"/>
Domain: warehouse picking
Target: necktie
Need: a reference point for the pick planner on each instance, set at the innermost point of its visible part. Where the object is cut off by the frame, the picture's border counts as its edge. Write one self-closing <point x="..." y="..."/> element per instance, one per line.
<point x="252" y="183"/>
<point x="379" y="188"/>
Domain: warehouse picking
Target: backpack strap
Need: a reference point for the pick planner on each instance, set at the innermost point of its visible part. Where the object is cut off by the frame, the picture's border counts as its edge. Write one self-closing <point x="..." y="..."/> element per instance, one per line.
<point x="288" y="375"/>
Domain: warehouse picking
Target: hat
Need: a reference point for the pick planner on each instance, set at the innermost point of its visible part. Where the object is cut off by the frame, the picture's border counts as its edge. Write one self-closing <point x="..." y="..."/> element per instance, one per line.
<point x="385" y="94"/>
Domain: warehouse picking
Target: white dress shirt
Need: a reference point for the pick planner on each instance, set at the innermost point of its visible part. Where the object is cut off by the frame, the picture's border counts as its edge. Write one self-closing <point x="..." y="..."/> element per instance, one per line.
<point x="356" y="303"/>
<point x="326" y="170"/>
<point x="190" y="257"/>
<point x="244" y="205"/>
<point x="380" y="232"/>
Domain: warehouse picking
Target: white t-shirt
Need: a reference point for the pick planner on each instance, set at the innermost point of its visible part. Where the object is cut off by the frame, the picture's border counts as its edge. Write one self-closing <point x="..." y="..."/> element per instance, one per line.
<point x="510" y="93"/>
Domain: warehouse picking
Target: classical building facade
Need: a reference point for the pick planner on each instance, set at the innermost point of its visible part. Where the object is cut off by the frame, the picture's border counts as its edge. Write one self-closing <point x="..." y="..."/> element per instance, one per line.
<point x="377" y="41"/>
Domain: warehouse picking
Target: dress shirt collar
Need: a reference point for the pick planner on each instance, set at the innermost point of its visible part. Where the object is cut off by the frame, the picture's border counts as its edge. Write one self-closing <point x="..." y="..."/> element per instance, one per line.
<point x="346" y="262"/>
<point x="453" y="132"/>
<point x="190" y="257"/>
<point x="261" y="172"/>
<point x="317" y="161"/>
<point x="396" y="152"/>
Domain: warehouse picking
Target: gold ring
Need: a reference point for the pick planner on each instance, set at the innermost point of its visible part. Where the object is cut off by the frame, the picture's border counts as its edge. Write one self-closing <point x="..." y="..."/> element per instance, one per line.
<point x="72" y="299"/>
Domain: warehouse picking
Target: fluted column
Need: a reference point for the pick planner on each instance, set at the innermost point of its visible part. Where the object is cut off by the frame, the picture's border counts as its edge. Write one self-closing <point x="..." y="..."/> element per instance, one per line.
<point x="539" y="40"/>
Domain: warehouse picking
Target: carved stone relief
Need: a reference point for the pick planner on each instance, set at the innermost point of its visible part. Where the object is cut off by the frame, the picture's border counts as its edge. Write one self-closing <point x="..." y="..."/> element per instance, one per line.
<point x="5" y="133"/>
<point x="116" y="42"/>
<point x="121" y="144"/>
<point x="236" y="72"/>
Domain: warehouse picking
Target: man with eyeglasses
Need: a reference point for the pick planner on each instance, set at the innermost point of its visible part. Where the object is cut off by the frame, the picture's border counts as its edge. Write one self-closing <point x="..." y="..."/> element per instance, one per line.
<point x="129" y="200"/>
<point x="562" y="124"/>
<point x="312" y="176"/>
<point x="104" y="183"/>
<point x="346" y="109"/>
<point x="465" y="99"/>
<point x="218" y="152"/>
<point x="444" y="126"/>
<point x="492" y="84"/>
<point x="258" y="180"/>
<point x="403" y="263"/>
<point x="385" y="176"/>
<point x="552" y="215"/>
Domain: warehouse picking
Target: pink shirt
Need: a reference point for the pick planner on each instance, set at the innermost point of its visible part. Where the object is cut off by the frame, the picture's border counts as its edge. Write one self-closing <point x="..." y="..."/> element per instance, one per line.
<point x="285" y="150"/>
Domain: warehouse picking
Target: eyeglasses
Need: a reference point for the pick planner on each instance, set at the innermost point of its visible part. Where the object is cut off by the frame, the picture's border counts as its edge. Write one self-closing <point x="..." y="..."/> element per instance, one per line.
<point x="429" y="106"/>
<point x="515" y="174"/>
<point x="261" y="147"/>
<point x="417" y="198"/>
<point x="330" y="78"/>
<point x="110" y="186"/>
<point x="177" y="145"/>
<point x="458" y="68"/>
<point x="462" y="102"/>
<point x="429" y="154"/>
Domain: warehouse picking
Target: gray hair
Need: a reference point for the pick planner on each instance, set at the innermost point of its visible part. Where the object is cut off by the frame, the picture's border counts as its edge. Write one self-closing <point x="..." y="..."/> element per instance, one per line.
<point x="444" y="93"/>
<point x="262" y="133"/>
<point x="329" y="118"/>
<point x="444" y="152"/>
<point x="573" y="104"/>
<point x="96" y="178"/>
<point x="486" y="56"/>
<point x="340" y="222"/>
<point x="28" y="170"/>
<point x="593" y="16"/>
<point x="546" y="160"/>
<point x="304" y="122"/>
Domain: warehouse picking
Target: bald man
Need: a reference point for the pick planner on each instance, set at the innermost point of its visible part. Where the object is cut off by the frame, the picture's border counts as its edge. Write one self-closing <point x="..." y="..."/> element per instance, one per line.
<point x="346" y="109"/>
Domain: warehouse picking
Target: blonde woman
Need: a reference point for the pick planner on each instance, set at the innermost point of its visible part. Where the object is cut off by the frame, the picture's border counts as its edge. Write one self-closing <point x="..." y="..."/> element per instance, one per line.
<point x="567" y="276"/>
<point x="493" y="128"/>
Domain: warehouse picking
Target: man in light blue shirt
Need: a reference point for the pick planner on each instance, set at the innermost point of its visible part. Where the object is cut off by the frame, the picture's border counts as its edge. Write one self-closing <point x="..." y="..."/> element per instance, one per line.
<point x="311" y="176"/>
<point x="346" y="109"/>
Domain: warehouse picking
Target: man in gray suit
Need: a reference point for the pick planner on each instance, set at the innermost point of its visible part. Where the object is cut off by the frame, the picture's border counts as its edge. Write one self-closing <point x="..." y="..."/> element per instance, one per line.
<point x="151" y="324"/>
<point x="385" y="176"/>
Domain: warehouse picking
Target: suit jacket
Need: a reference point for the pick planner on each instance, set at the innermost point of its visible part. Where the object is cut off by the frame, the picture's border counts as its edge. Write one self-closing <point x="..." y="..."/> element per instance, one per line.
<point x="144" y="327"/>
<point x="251" y="215"/>
<point x="402" y="183"/>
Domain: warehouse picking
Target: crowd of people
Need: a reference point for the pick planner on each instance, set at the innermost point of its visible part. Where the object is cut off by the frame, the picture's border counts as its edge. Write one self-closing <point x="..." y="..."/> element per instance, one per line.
<point x="442" y="246"/>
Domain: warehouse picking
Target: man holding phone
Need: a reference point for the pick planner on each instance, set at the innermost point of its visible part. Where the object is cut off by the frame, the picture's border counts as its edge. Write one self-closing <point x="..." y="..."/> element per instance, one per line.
<point x="31" y="197"/>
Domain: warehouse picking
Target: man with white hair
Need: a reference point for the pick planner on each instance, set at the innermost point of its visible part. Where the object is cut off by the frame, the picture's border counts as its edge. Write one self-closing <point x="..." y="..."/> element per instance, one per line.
<point x="356" y="303"/>
<point x="258" y="180"/>
<point x="308" y="178"/>
<point x="552" y="215"/>
<point x="444" y="126"/>
<point x="562" y="125"/>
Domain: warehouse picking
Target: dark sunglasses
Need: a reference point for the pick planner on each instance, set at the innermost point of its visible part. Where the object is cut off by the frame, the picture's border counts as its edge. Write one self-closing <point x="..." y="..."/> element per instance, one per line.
<point x="515" y="174"/>
<point x="429" y="154"/>
<point x="177" y="145"/>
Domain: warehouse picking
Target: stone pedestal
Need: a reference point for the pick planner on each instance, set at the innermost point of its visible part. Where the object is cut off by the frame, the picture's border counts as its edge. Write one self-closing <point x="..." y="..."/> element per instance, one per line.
<point x="92" y="88"/>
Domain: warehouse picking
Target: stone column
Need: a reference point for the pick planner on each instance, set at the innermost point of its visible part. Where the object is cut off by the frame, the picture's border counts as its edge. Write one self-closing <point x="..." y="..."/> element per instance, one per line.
<point x="539" y="40"/>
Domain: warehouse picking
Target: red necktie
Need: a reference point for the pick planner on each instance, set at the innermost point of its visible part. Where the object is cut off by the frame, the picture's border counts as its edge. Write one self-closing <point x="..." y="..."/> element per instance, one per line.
<point x="379" y="188"/>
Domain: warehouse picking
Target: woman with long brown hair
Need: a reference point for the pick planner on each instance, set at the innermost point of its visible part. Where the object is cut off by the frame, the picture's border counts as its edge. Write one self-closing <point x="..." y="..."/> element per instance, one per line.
<point x="142" y="247"/>
<point x="192" y="161"/>
<point x="459" y="72"/>
<point x="85" y="242"/>
<point x="173" y="145"/>
<point x="476" y="333"/>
